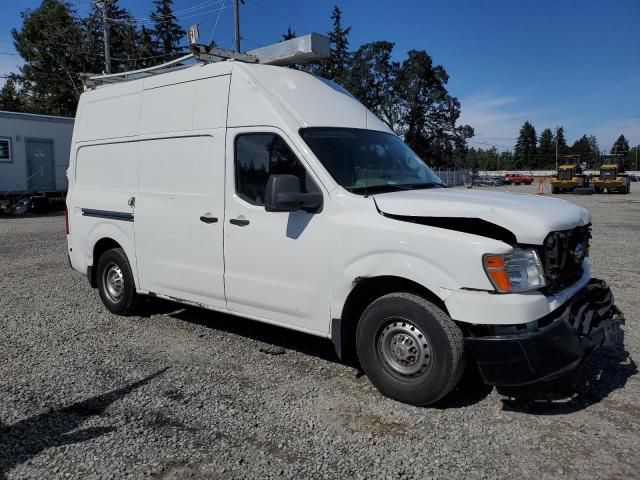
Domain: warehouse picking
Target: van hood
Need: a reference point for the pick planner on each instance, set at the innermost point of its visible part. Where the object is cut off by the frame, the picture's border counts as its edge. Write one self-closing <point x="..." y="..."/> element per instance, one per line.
<point x="506" y="216"/>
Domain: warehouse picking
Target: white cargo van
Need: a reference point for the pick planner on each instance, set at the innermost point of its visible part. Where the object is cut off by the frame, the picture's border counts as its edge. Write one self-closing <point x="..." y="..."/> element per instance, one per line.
<point x="275" y="195"/>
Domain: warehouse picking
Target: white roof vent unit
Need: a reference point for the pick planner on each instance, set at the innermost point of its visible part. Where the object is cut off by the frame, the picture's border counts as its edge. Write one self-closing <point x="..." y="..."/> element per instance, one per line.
<point x="297" y="50"/>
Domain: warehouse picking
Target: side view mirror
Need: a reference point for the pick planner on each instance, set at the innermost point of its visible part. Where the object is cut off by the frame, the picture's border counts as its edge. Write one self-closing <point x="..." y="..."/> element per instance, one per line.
<point x="283" y="194"/>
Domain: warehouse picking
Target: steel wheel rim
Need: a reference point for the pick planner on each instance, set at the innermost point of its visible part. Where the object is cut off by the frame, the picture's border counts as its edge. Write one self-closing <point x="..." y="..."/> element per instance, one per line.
<point x="113" y="281"/>
<point x="403" y="347"/>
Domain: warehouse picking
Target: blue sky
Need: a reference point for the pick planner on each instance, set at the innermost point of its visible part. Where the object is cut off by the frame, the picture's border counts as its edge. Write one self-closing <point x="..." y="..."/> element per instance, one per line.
<point x="572" y="63"/>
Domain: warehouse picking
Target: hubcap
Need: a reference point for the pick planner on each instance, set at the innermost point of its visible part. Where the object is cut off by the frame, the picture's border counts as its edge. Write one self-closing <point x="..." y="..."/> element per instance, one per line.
<point x="113" y="282"/>
<point x="404" y="348"/>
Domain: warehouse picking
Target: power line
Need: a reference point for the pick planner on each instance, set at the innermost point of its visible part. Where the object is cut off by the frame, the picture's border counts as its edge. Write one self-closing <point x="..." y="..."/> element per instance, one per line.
<point x="177" y="16"/>
<point x="215" y="25"/>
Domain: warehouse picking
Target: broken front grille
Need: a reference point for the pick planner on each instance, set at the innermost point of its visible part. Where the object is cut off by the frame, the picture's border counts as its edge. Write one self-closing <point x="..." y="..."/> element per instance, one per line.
<point x="562" y="256"/>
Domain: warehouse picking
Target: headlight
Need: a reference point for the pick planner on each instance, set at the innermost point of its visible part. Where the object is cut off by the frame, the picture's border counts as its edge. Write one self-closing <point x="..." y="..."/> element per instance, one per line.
<point x="518" y="271"/>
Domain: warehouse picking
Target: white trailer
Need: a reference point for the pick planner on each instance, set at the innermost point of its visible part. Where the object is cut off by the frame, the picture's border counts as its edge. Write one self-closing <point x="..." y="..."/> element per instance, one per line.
<point x="34" y="155"/>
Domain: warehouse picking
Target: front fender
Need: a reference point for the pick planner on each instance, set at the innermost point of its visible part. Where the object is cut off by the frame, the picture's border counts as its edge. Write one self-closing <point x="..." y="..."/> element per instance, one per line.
<point x="393" y="264"/>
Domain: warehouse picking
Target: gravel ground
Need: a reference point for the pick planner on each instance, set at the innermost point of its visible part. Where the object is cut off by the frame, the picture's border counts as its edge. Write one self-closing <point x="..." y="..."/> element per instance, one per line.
<point x="186" y="393"/>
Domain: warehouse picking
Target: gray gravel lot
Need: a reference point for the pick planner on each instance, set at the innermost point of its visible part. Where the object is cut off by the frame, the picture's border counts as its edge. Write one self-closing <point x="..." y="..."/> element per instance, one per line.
<point x="185" y="393"/>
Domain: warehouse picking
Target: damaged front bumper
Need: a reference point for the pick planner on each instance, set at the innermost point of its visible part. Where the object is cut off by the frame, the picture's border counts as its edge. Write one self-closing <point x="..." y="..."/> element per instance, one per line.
<point x="544" y="349"/>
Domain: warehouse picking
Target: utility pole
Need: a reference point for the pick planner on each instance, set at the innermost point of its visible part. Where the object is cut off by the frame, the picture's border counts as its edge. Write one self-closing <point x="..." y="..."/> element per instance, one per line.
<point x="236" y="20"/>
<point x="105" y="35"/>
<point x="557" y="149"/>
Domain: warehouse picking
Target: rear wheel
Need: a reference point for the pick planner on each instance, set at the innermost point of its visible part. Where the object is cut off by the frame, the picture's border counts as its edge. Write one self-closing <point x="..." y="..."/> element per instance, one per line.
<point x="410" y="349"/>
<point x="115" y="282"/>
<point x="555" y="190"/>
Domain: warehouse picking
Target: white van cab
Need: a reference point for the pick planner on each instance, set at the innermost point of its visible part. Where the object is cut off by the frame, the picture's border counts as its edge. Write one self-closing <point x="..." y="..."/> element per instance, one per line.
<point x="275" y="195"/>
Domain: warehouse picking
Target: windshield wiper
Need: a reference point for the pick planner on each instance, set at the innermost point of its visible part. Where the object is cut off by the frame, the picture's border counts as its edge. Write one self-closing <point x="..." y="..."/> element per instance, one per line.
<point x="419" y="186"/>
<point x="393" y="187"/>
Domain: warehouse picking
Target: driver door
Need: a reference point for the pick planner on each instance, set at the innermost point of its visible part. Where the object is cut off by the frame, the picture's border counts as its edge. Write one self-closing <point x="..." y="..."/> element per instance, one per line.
<point x="276" y="263"/>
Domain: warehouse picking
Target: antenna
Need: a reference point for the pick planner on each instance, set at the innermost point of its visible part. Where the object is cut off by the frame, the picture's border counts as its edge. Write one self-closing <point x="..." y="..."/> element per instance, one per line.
<point x="193" y="34"/>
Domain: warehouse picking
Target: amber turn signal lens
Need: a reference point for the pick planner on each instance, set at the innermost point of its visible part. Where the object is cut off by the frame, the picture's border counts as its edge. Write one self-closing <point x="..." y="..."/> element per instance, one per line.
<point x="494" y="266"/>
<point x="500" y="280"/>
<point x="493" y="261"/>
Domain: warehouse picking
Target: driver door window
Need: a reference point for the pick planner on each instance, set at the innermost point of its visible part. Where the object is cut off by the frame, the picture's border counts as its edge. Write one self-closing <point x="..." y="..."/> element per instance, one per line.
<point x="258" y="155"/>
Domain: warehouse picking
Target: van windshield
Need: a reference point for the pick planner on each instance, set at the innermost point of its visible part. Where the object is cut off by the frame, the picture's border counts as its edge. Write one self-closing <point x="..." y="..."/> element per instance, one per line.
<point x="369" y="161"/>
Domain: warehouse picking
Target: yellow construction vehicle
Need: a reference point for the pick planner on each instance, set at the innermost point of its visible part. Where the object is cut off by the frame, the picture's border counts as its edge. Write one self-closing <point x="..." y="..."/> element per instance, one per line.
<point x="569" y="175"/>
<point x="612" y="176"/>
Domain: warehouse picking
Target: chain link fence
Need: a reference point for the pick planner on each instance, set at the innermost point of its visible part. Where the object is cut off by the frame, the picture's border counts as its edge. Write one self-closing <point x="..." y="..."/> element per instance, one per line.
<point x="454" y="177"/>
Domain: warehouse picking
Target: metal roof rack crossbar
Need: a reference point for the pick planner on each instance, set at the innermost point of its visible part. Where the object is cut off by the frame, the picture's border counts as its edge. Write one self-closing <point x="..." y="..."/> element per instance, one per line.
<point x="295" y="50"/>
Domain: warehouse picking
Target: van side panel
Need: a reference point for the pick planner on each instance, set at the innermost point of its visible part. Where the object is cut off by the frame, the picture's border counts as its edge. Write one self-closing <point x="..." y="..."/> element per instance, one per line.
<point x="112" y="112"/>
<point x="105" y="177"/>
<point x="196" y="105"/>
<point x="179" y="254"/>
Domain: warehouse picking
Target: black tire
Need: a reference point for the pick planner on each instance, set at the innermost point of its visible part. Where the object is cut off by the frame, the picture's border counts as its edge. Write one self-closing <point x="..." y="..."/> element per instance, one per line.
<point x="399" y="320"/>
<point x="555" y="190"/>
<point x="583" y="191"/>
<point x="597" y="190"/>
<point x="113" y="269"/>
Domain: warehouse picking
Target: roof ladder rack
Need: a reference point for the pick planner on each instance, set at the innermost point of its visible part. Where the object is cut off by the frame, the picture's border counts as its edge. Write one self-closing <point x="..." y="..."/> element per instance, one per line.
<point x="295" y="50"/>
<point x="91" y="80"/>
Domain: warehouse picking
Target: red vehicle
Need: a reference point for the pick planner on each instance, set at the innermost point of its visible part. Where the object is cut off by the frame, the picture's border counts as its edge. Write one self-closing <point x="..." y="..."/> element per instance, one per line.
<point x="517" y="179"/>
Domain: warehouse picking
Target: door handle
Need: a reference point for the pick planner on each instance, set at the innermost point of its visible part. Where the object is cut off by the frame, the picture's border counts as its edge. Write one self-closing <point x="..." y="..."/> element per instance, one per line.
<point x="207" y="219"/>
<point x="241" y="222"/>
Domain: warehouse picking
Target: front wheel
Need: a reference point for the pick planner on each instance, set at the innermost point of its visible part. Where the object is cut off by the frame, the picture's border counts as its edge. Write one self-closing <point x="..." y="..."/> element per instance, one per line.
<point x="115" y="282"/>
<point x="410" y="349"/>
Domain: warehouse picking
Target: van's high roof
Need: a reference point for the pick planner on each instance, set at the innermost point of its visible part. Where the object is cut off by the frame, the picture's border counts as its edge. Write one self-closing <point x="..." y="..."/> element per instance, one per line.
<point x="249" y="95"/>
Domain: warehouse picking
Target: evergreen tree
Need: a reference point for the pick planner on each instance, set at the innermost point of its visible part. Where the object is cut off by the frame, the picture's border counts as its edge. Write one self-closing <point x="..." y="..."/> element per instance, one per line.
<point x="289" y="35"/>
<point x="587" y="148"/>
<point x="621" y="145"/>
<point x="525" y="150"/>
<point x="123" y="37"/>
<point x="50" y="43"/>
<point x="563" y="148"/>
<point x="336" y="66"/>
<point x="10" y="96"/>
<point x="147" y="52"/>
<point x="167" y="32"/>
<point x="546" y="150"/>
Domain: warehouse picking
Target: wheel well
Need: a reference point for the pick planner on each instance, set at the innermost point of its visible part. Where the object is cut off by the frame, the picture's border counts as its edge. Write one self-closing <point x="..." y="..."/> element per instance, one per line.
<point x="363" y="293"/>
<point x="99" y="248"/>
